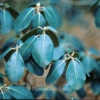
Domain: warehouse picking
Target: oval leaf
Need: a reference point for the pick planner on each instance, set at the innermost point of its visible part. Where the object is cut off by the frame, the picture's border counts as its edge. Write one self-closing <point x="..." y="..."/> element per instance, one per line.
<point x="75" y="75"/>
<point x="20" y="92"/>
<point x="58" y="52"/>
<point x="38" y="20"/>
<point x="55" y="72"/>
<point x="4" y="96"/>
<point x="26" y="49"/>
<point x="33" y="67"/>
<point x="6" y="22"/>
<point x="88" y="63"/>
<point x="24" y="19"/>
<point x="16" y="63"/>
<point x="97" y="18"/>
<point x="41" y="49"/>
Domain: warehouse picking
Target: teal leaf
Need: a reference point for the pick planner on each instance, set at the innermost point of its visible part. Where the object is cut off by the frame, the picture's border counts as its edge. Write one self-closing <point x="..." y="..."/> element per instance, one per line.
<point x="52" y="29"/>
<point x="85" y="71"/>
<point x="95" y="86"/>
<point x="51" y="16"/>
<point x="55" y="72"/>
<point x="29" y="34"/>
<point x="81" y="93"/>
<point x="58" y="52"/>
<point x="6" y="22"/>
<point x="5" y="53"/>
<point x="4" y="96"/>
<point x="33" y="67"/>
<point x="26" y="49"/>
<point x="16" y="63"/>
<point x="38" y="20"/>
<point x="20" y="92"/>
<point x="8" y="43"/>
<point x="41" y="49"/>
<point x="88" y="63"/>
<point x="75" y="75"/>
<point x="67" y="89"/>
<point x="53" y="36"/>
<point x="97" y="18"/>
<point x="24" y="19"/>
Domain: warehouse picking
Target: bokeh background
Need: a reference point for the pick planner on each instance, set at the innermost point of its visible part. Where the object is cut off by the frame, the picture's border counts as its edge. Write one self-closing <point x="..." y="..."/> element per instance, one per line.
<point x="77" y="20"/>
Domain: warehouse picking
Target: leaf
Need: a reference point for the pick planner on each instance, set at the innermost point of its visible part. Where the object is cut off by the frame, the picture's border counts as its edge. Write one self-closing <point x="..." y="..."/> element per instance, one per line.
<point x="6" y="22"/>
<point x="29" y="34"/>
<point x="75" y="75"/>
<point x="52" y="16"/>
<point x="4" y="96"/>
<point x="95" y="86"/>
<point x="88" y="63"/>
<point x="51" y="29"/>
<point x="16" y="63"/>
<point x="97" y="18"/>
<point x="55" y="72"/>
<point x="26" y="49"/>
<point x="20" y="92"/>
<point x="13" y="12"/>
<point x="33" y="67"/>
<point x="8" y="44"/>
<point x="67" y="89"/>
<point x="5" y="53"/>
<point x="41" y="49"/>
<point x="60" y="96"/>
<point x="24" y="19"/>
<point x="38" y="20"/>
<point x="53" y="37"/>
<point x="58" y="52"/>
<point x="36" y="91"/>
<point x="81" y="93"/>
<point x="8" y="55"/>
<point x="49" y="94"/>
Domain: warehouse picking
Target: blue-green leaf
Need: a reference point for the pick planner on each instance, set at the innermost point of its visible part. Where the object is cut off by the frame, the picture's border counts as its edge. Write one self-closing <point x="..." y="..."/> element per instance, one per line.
<point x="95" y="86"/>
<point x="5" y="53"/>
<point x="26" y="49"/>
<point x="33" y="67"/>
<point x="67" y="89"/>
<point x="14" y="68"/>
<point x="51" y="16"/>
<point x="58" y="52"/>
<point x="52" y="29"/>
<point x="75" y="75"/>
<point x="97" y="18"/>
<point x="81" y="93"/>
<point x="20" y="92"/>
<point x="24" y="19"/>
<point x="56" y="71"/>
<point x="88" y="63"/>
<point x="6" y="22"/>
<point x="38" y="20"/>
<point x="4" y="96"/>
<point x="8" y="44"/>
<point x="36" y="91"/>
<point x="43" y="50"/>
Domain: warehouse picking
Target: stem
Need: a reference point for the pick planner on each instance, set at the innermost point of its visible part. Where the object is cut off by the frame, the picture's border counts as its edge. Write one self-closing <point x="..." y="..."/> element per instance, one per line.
<point x="3" y="86"/>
